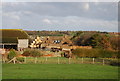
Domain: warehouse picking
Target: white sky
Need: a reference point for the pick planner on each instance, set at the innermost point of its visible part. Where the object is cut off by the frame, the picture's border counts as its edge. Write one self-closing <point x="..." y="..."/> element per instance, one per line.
<point x="60" y="0"/>
<point x="90" y="15"/>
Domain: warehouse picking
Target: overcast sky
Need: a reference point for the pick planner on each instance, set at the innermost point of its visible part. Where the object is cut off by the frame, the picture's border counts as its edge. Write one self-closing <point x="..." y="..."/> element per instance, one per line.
<point x="85" y="16"/>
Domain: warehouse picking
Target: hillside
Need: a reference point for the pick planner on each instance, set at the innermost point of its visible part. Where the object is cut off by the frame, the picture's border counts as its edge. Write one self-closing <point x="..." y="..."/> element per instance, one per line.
<point x="107" y="40"/>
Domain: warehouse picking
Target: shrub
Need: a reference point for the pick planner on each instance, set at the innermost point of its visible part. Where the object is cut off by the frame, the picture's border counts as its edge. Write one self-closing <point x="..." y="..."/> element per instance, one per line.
<point x="26" y="52"/>
<point x="12" y="54"/>
<point x="21" y="59"/>
<point x="107" y="53"/>
<point x="86" y="52"/>
<point x="62" y="54"/>
<point x="32" y="52"/>
<point x="35" y="53"/>
<point x="115" y="63"/>
<point x="95" y="53"/>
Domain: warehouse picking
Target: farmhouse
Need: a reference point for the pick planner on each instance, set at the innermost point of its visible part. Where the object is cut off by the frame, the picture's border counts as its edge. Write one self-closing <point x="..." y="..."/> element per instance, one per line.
<point x="13" y="38"/>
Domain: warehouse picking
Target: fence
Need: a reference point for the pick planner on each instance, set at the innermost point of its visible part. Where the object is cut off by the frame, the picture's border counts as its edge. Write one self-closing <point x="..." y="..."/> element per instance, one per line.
<point x="62" y="60"/>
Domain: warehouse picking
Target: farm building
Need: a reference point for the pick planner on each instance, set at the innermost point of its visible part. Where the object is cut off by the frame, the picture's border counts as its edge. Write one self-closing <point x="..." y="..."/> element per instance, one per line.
<point x="13" y="38"/>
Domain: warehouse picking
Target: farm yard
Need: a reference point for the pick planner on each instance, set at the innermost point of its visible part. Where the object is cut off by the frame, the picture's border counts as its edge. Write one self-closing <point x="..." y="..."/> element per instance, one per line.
<point x="62" y="57"/>
<point x="59" y="40"/>
<point x="59" y="71"/>
<point x="40" y="64"/>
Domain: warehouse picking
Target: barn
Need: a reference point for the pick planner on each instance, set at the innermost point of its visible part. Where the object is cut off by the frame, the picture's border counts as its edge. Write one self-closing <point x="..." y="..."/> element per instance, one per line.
<point x="13" y="38"/>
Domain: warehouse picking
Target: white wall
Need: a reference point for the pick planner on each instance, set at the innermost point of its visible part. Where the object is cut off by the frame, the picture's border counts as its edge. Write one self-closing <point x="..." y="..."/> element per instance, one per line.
<point x="23" y="43"/>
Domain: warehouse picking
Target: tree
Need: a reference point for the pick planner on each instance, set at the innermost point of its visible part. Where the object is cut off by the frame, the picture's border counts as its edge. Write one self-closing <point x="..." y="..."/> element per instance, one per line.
<point x="95" y="40"/>
<point x="77" y="34"/>
<point x="114" y="41"/>
<point x="105" y="42"/>
<point x="100" y="41"/>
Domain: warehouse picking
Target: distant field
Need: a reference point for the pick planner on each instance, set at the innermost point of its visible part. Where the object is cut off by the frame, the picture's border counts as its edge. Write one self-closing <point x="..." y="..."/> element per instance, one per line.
<point x="59" y="71"/>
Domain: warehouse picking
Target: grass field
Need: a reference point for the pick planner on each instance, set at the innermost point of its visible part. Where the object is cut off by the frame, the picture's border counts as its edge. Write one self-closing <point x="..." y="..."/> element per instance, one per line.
<point x="59" y="71"/>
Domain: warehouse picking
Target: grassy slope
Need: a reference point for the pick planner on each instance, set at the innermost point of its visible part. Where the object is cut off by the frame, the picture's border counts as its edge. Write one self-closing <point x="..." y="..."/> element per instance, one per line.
<point x="61" y="71"/>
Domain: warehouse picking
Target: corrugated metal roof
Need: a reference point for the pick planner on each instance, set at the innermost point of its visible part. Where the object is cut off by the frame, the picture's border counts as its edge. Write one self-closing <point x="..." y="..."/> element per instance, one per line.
<point x="12" y="35"/>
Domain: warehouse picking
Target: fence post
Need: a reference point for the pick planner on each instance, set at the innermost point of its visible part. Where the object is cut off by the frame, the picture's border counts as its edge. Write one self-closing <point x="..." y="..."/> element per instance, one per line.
<point x="46" y="58"/>
<point x="14" y="61"/>
<point x="35" y="60"/>
<point x="3" y="58"/>
<point x="69" y="60"/>
<point x="58" y="61"/>
<point x="25" y="60"/>
<point x="93" y="60"/>
<point x="82" y="59"/>
<point x="103" y="62"/>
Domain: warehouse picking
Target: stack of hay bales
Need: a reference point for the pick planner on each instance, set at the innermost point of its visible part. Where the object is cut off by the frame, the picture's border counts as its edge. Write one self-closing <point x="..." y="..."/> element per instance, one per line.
<point x="36" y="43"/>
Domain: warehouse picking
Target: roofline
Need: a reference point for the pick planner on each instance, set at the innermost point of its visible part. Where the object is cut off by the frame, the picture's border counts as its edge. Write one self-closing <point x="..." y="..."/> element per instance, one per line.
<point x="11" y="29"/>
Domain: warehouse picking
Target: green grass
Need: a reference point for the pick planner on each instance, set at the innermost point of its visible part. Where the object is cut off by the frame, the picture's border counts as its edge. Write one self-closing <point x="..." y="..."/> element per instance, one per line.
<point x="59" y="71"/>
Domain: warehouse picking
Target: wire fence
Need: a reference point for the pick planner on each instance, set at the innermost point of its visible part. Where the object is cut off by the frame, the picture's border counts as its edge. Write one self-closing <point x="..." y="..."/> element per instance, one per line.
<point x="62" y="60"/>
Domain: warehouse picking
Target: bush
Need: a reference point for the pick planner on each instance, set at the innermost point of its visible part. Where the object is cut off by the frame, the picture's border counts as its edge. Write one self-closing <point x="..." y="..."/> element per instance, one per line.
<point x="21" y="59"/>
<point x="32" y="52"/>
<point x="95" y="53"/>
<point x="115" y="63"/>
<point x="108" y="53"/>
<point x="86" y="52"/>
<point x="12" y="54"/>
<point x="26" y="52"/>
<point x="35" y="53"/>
